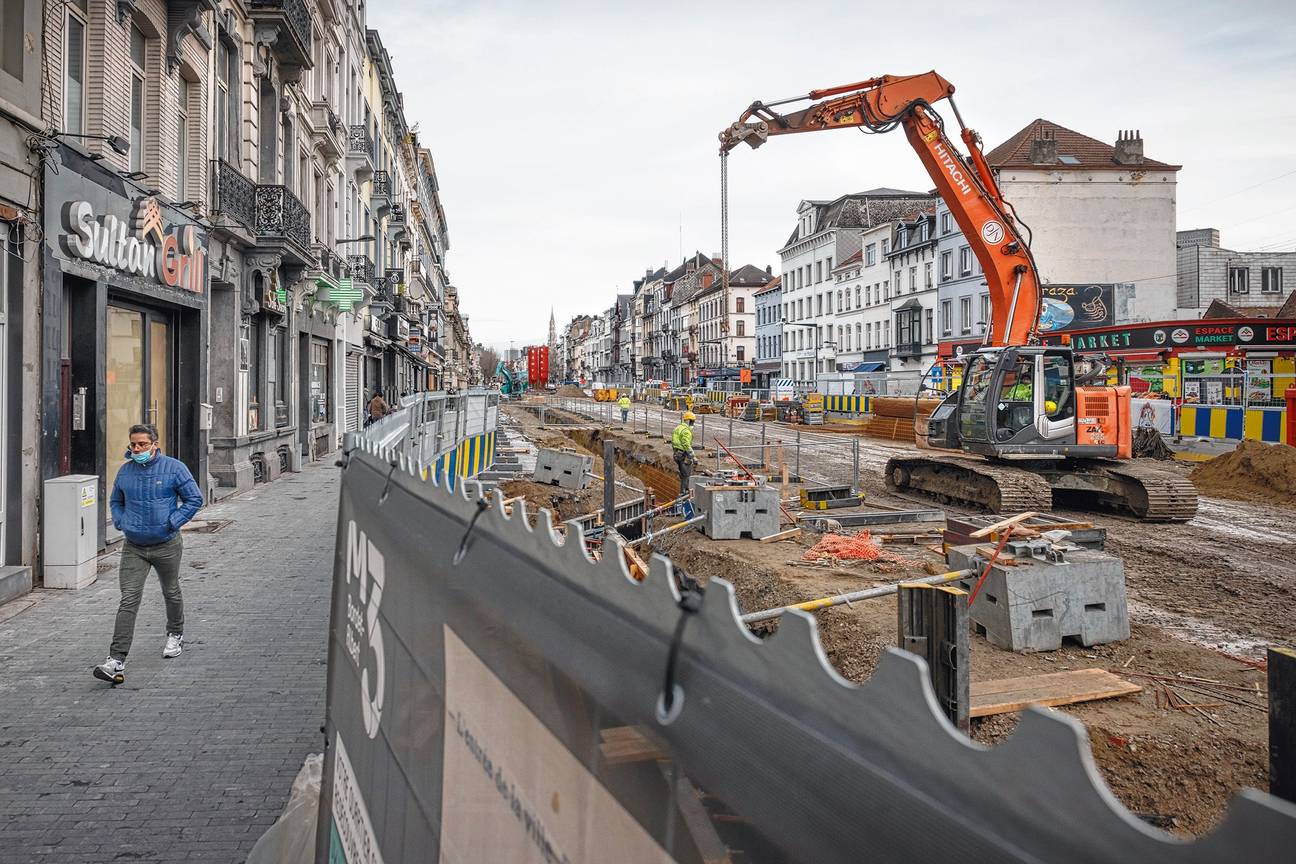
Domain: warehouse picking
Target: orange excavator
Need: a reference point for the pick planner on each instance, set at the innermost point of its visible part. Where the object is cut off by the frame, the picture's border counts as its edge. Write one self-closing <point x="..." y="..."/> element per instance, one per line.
<point x="1025" y="425"/>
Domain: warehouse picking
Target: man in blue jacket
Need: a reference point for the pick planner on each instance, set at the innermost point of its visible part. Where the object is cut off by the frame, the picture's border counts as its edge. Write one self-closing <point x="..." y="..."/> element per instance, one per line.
<point x="152" y="497"/>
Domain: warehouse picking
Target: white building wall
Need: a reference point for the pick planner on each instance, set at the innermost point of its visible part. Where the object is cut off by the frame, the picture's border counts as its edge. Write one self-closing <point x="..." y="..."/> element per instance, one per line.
<point x="1102" y="226"/>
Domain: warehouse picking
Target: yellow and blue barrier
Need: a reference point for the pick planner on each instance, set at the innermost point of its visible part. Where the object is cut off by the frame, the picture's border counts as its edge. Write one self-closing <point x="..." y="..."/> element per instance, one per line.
<point x="1236" y="423"/>
<point x="848" y="404"/>
<point x="471" y="457"/>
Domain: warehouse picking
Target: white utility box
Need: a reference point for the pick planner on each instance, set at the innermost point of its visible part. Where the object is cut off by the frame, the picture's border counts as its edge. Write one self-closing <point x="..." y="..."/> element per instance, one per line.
<point x="71" y="528"/>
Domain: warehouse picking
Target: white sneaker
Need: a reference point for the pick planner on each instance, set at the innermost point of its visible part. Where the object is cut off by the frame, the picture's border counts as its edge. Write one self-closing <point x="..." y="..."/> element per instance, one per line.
<point x="174" y="645"/>
<point x="112" y="671"/>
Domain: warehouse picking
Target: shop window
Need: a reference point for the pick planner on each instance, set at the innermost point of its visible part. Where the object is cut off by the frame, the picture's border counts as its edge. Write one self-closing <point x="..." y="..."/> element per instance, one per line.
<point x="256" y="416"/>
<point x="277" y="390"/>
<point x="320" y="356"/>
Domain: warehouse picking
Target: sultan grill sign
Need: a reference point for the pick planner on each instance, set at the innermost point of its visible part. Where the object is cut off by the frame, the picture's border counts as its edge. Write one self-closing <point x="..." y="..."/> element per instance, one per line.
<point x="144" y="246"/>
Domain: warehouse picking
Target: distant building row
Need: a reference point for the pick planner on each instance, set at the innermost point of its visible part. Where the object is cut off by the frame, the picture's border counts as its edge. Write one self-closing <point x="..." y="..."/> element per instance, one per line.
<point x="884" y="280"/>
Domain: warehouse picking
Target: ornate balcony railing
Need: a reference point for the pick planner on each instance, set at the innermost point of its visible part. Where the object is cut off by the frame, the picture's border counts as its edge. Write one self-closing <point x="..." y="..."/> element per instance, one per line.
<point x="362" y="269"/>
<point x="294" y="17"/>
<point x="233" y="194"/>
<point x="397" y="216"/>
<point x="280" y="214"/>
<point x="381" y="184"/>
<point x="360" y="142"/>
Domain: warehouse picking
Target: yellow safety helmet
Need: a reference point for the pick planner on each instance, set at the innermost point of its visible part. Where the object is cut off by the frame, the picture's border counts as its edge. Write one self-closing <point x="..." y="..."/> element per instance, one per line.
<point x="1050" y="406"/>
<point x="689" y="415"/>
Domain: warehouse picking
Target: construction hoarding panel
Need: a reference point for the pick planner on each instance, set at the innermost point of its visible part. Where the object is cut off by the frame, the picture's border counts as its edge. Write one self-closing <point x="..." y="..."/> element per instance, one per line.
<point x="496" y="695"/>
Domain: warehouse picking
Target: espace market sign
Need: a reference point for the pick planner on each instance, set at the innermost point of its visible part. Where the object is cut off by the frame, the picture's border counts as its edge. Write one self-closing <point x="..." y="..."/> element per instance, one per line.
<point x="1190" y="335"/>
<point x="144" y="245"/>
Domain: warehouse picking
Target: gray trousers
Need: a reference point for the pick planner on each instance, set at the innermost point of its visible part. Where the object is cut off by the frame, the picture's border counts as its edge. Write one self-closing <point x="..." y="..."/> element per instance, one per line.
<point x="136" y="561"/>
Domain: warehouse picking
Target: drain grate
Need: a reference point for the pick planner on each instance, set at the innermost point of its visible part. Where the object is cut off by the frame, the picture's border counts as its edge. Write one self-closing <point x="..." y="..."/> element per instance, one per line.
<point x="205" y="526"/>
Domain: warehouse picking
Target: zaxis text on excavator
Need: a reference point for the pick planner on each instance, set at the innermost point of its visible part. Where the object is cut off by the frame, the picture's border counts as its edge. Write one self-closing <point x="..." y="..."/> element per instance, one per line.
<point x="1021" y="407"/>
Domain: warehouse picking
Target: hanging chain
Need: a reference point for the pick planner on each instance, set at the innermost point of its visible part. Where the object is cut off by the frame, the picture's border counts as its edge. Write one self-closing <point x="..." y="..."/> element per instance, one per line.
<point x="724" y="257"/>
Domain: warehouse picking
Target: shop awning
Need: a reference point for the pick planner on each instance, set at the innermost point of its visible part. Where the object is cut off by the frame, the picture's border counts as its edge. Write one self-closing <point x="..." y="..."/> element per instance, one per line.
<point x="868" y="366"/>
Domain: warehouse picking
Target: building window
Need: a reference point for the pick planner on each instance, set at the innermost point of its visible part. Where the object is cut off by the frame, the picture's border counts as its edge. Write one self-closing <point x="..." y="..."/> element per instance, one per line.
<point x="829" y="304"/>
<point x="740" y="305"/>
<point x="857" y="296"/>
<point x="927" y="275"/>
<point x="1239" y="280"/>
<point x="947" y="314"/>
<point x="1270" y="280"/>
<point x="226" y="83"/>
<point x="965" y="314"/>
<point x="907" y="332"/>
<point x="947" y="223"/>
<point x="927" y="317"/>
<point x="947" y="266"/>
<point x="320" y="354"/>
<point x="742" y="328"/>
<point x="138" y="57"/>
<point x="886" y="245"/>
<point x="829" y="266"/>
<point x="74" y="78"/>
<point x="984" y="315"/>
<point x="182" y="141"/>
<point x="913" y="279"/>
<point x="965" y="261"/>
<point x="740" y="352"/>
<point x="870" y="255"/>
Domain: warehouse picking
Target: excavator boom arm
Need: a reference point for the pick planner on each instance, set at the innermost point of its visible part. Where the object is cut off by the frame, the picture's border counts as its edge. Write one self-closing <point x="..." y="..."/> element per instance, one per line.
<point x="966" y="184"/>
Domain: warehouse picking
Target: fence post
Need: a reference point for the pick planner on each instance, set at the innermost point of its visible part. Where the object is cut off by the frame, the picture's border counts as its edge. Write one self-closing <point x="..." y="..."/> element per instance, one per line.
<point x="609" y="483"/>
<point x="797" y="469"/>
<point x="764" y="461"/>
<point x="704" y="431"/>
<point x="855" y="464"/>
<point x="730" y="430"/>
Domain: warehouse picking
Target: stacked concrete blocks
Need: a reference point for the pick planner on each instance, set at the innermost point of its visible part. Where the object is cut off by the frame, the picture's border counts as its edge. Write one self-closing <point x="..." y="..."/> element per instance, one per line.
<point x="734" y="510"/>
<point x="565" y="468"/>
<point x="1039" y="593"/>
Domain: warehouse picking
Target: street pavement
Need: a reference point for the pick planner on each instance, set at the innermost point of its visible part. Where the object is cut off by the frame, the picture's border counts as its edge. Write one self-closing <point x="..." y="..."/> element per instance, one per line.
<point x="192" y="758"/>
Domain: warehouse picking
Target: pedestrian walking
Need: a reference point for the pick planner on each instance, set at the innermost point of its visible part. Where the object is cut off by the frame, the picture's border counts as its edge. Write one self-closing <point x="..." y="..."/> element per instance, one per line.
<point x="152" y="497"/>
<point x="624" y="404"/>
<point x="378" y="407"/>
<point x="682" y="445"/>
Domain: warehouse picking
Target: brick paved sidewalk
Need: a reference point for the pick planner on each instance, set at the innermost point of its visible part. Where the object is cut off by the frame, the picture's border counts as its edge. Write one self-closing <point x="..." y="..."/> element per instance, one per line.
<point x="194" y="757"/>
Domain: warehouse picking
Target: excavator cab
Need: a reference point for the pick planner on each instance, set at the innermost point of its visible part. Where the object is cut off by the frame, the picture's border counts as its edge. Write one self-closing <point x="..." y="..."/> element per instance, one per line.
<point x="1024" y="401"/>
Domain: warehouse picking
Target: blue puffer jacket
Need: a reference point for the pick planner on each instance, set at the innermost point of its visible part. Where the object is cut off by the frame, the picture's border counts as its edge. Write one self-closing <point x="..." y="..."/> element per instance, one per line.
<point x="144" y="499"/>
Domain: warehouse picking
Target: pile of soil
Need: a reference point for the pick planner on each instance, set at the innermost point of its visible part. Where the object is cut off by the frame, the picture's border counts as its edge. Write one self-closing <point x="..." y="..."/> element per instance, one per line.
<point x="570" y="390"/>
<point x="1253" y="469"/>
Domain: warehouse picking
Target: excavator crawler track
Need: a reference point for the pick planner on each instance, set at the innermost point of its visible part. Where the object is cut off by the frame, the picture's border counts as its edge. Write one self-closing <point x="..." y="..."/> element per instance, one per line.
<point x="1154" y="494"/>
<point x="991" y="486"/>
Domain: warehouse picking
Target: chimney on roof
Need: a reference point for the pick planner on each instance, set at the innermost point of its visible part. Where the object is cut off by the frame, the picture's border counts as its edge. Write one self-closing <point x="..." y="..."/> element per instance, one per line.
<point x="717" y="259"/>
<point x="1043" y="149"/>
<point x="1129" y="147"/>
<point x="769" y="270"/>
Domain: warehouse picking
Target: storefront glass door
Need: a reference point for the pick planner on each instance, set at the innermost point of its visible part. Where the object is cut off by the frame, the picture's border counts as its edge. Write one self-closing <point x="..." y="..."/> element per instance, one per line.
<point x="138" y="377"/>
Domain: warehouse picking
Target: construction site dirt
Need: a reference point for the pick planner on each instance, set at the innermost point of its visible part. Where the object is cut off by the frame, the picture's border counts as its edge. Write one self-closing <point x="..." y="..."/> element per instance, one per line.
<point x="1204" y="598"/>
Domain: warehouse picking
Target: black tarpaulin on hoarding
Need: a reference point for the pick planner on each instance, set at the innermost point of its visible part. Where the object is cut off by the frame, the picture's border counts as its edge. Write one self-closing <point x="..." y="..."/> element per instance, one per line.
<point x="506" y="709"/>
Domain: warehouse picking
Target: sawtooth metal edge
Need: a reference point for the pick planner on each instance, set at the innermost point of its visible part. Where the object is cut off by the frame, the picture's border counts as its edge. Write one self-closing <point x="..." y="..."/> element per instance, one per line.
<point x="830" y="770"/>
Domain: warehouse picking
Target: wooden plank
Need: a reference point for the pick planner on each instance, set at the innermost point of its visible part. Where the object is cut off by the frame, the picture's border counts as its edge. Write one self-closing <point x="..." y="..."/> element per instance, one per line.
<point x="1050" y="689"/>
<point x="782" y="535"/>
<point x="1004" y="523"/>
<point x="623" y="744"/>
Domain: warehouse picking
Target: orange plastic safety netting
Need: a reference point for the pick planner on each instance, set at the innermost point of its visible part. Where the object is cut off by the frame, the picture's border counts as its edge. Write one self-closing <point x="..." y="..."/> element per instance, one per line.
<point x="849" y="547"/>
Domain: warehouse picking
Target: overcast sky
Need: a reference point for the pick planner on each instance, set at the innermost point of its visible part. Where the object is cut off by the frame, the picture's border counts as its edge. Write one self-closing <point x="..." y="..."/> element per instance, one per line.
<point x="575" y="142"/>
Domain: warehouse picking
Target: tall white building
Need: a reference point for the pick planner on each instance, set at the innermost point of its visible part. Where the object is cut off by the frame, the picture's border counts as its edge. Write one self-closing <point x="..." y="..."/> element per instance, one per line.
<point x="827" y="233"/>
